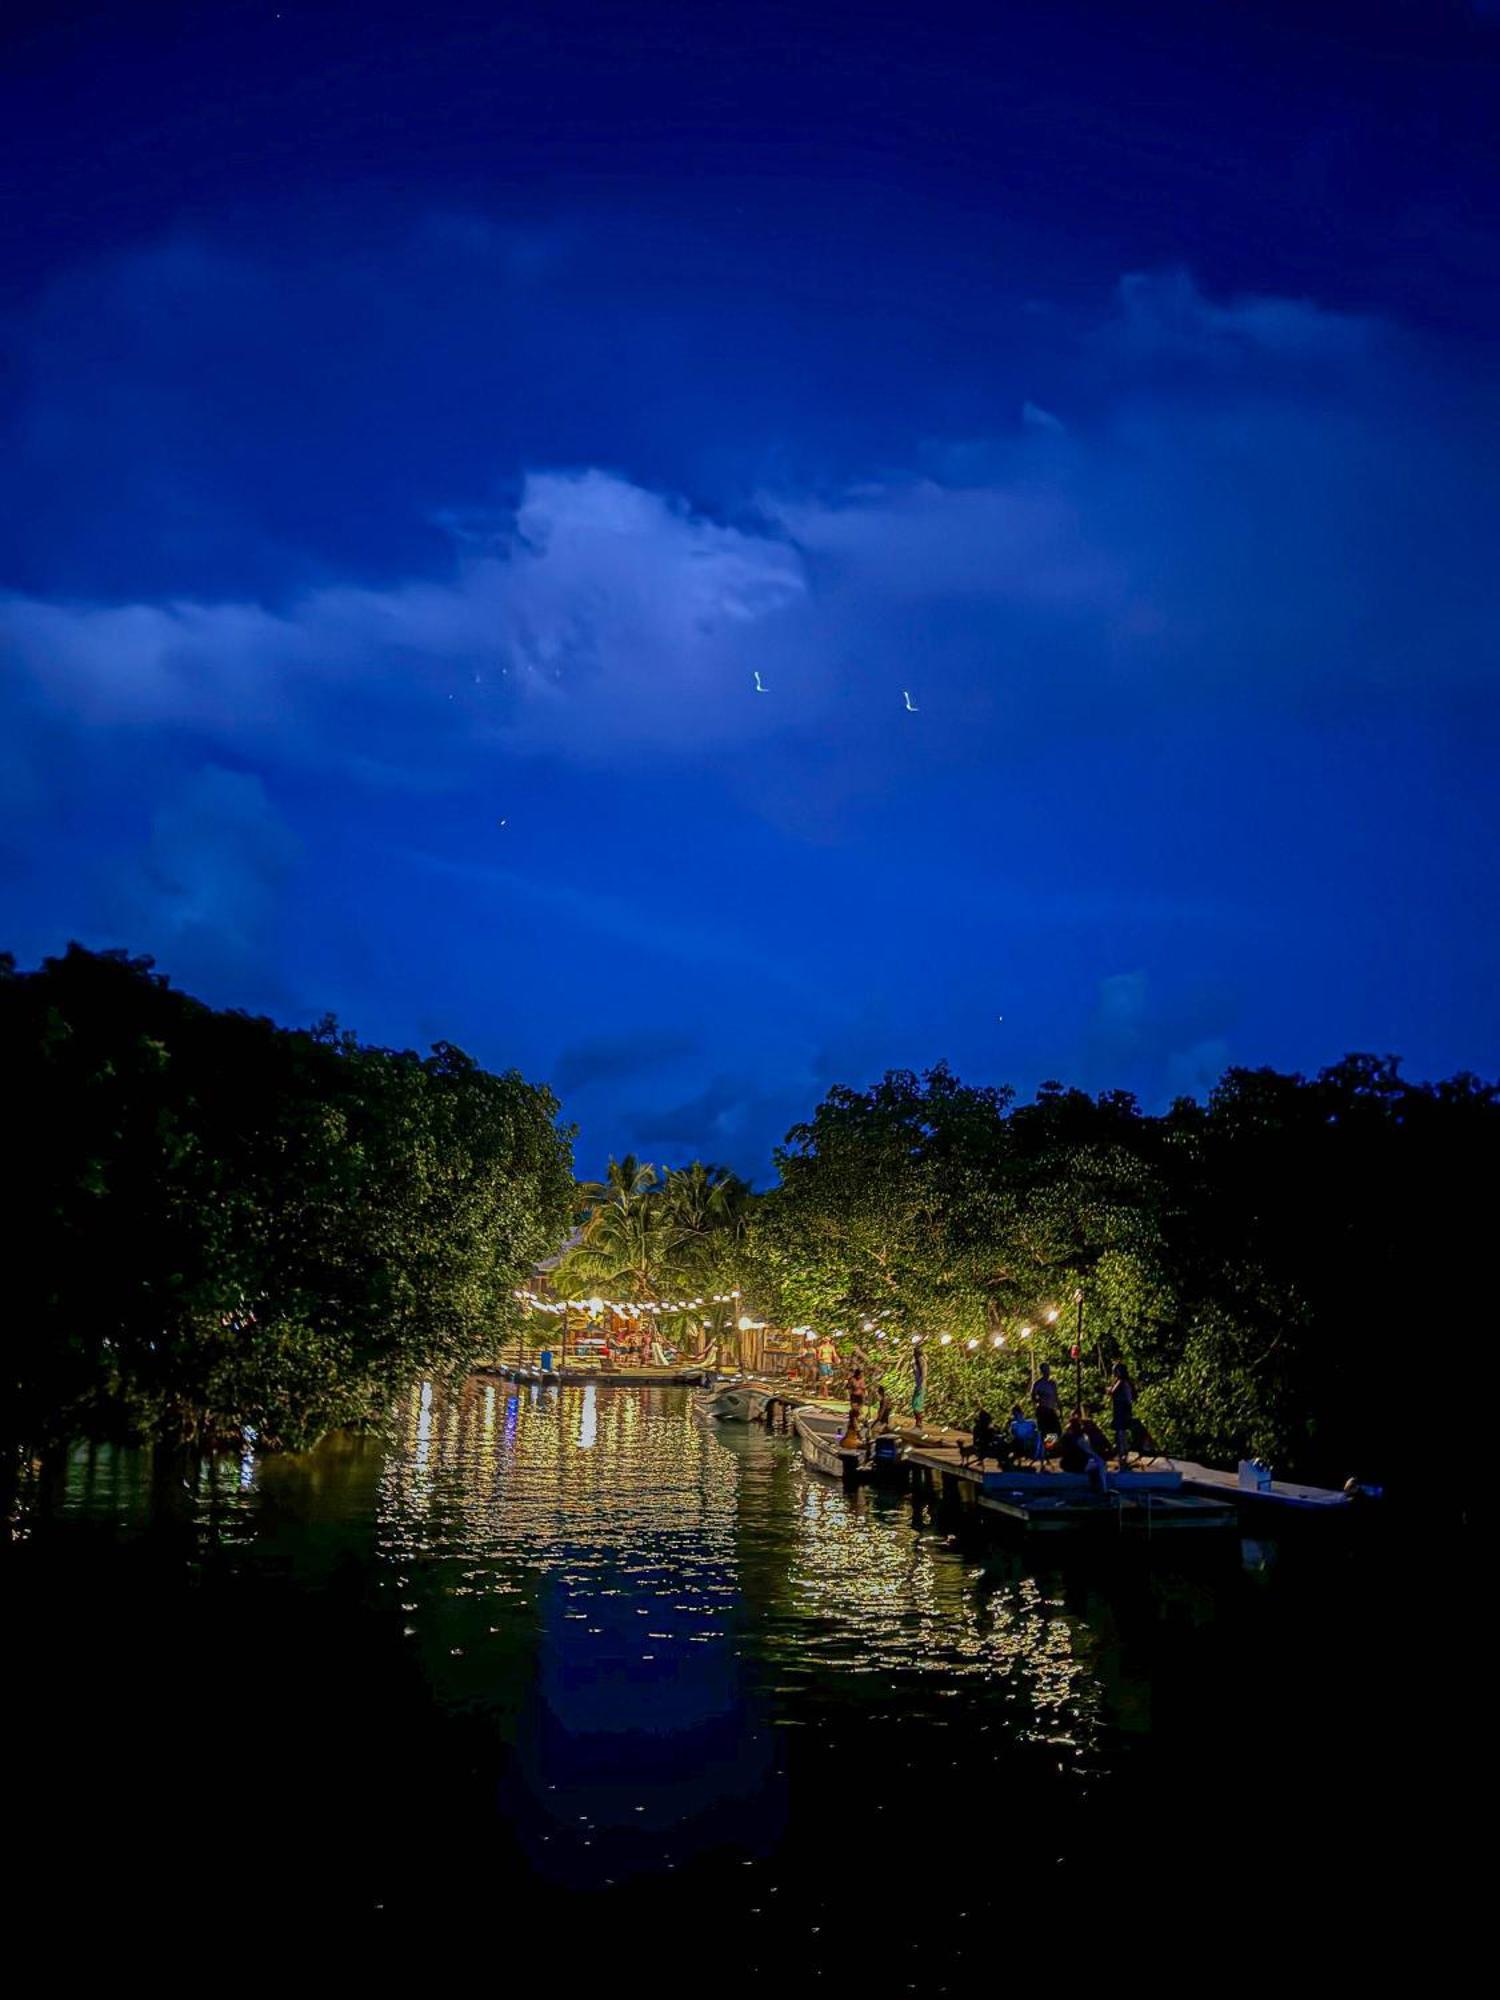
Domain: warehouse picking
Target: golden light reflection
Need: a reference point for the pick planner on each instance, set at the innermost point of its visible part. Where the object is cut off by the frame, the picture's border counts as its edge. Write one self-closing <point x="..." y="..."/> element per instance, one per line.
<point x="641" y="1517"/>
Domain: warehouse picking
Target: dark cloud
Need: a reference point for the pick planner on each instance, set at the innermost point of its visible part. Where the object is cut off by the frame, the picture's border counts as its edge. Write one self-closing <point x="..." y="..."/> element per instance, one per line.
<point x="1162" y="1046"/>
<point x="610" y="1058"/>
<point x="735" y="1121"/>
<point x="209" y="884"/>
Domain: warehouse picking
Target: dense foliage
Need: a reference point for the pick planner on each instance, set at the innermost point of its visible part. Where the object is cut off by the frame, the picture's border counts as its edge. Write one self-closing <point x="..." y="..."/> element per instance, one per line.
<point x="221" y="1225"/>
<point x="1281" y="1268"/>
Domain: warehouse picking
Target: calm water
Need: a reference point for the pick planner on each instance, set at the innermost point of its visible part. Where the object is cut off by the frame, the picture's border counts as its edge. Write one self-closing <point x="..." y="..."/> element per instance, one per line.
<point x="578" y="1665"/>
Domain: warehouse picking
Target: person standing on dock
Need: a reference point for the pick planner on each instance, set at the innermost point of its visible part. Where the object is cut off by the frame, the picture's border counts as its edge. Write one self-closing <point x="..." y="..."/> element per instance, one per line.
<point x="828" y="1354"/>
<point x="1122" y="1408"/>
<point x="918" y="1383"/>
<point x="1044" y="1401"/>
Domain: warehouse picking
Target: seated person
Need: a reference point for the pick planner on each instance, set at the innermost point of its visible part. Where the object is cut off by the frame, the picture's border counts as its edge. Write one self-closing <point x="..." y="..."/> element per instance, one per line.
<point x="1078" y="1455"/>
<point x="1024" y="1433"/>
<point x="1094" y="1435"/>
<point x="986" y="1440"/>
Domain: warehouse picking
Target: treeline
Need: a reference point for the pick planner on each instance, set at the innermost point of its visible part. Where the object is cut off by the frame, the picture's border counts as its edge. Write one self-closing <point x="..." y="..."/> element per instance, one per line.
<point x="1296" y="1268"/>
<point x="1299" y="1267"/>
<point x="221" y="1226"/>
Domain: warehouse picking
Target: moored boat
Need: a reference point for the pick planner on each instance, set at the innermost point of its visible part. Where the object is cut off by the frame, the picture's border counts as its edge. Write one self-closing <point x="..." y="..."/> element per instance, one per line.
<point x="735" y="1402"/>
<point x="820" y="1432"/>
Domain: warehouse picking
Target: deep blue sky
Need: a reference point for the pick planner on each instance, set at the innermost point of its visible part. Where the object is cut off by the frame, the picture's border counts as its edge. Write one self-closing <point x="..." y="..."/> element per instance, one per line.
<point x="418" y="417"/>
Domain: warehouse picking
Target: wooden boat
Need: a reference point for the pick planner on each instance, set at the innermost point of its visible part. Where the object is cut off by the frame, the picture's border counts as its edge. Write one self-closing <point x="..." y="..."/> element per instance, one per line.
<point x="735" y="1402"/>
<point x="820" y="1432"/>
<point x="1258" y="1495"/>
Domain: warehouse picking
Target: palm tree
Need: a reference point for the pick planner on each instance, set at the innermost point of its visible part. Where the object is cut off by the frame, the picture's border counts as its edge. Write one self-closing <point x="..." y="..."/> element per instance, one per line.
<point x="623" y="1243"/>
<point x="707" y="1211"/>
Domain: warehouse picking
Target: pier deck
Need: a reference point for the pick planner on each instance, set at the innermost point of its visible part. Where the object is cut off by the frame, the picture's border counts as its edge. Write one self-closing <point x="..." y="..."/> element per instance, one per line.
<point x="1041" y="1500"/>
<point x="673" y="1378"/>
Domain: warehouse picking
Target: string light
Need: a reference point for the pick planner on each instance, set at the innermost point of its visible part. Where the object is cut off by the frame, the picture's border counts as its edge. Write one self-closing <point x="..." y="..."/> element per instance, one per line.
<point x="635" y="1309"/>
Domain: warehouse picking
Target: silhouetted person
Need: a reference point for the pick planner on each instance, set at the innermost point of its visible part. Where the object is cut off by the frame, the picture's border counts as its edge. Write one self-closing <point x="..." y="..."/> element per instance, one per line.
<point x="1122" y="1408"/>
<point x="1045" y="1402"/>
<point x="985" y="1441"/>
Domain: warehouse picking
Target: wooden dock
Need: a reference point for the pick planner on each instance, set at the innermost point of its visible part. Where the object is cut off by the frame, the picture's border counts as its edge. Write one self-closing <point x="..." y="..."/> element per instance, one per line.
<point x="662" y="1378"/>
<point x="1042" y="1500"/>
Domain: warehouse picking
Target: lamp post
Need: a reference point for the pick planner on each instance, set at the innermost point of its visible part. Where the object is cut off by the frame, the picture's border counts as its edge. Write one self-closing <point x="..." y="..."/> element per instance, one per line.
<point x="1078" y="1354"/>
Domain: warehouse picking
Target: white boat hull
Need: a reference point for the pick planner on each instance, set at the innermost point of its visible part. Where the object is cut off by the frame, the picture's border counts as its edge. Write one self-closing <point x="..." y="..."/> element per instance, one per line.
<point x="819" y="1433"/>
<point x="736" y="1403"/>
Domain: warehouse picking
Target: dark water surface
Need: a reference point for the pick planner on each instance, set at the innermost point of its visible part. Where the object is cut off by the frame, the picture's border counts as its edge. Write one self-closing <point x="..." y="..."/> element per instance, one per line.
<point x="573" y="1678"/>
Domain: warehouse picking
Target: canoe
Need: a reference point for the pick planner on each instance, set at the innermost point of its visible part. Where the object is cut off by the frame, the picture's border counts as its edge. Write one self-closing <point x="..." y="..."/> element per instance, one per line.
<point x="819" y="1432"/>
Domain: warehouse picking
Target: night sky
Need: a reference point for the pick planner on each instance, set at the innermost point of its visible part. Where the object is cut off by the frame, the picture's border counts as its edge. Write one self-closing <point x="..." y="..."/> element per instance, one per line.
<point x="419" y="425"/>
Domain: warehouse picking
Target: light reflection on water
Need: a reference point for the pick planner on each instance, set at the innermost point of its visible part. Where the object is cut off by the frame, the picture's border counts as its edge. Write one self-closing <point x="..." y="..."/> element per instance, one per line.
<point x="623" y="1649"/>
<point x="655" y="1533"/>
<point x="621" y="1504"/>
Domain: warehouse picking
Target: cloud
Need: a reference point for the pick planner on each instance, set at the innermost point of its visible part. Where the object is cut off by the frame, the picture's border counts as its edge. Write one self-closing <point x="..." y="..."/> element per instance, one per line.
<point x="1109" y="569"/>
<point x="703" y="1122"/>
<point x="610" y="1058"/>
<point x="1162" y="1049"/>
<point x="1193" y="1071"/>
<point x="1163" y="314"/>
<point x="733" y="1120"/>
<point x="208" y="885"/>
<point x="1120" y="1012"/>
<point x="1039" y="419"/>
<point x="600" y="617"/>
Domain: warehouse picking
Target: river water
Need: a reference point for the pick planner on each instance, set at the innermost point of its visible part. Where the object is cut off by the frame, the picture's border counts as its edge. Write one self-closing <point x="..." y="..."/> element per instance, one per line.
<point x="577" y="1665"/>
